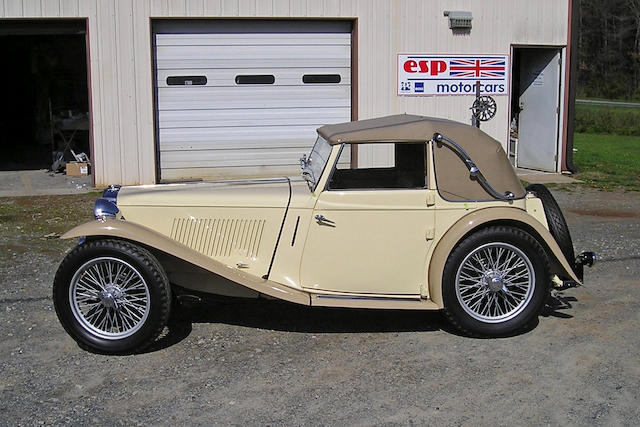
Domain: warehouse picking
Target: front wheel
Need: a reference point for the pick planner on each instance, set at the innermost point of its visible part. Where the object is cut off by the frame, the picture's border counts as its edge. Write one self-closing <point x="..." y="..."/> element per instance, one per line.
<point x="495" y="281"/>
<point x="111" y="296"/>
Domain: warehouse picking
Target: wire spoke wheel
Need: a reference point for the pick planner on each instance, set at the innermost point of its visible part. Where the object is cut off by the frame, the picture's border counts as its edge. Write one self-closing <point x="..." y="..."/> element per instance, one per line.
<point x="484" y="108"/>
<point x="495" y="282"/>
<point x="109" y="298"/>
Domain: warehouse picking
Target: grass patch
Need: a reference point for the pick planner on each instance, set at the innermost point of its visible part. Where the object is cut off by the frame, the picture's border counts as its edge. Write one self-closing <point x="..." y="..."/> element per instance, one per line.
<point x="606" y="119"/>
<point x="608" y="161"/>
<point x="47" y="214"/>
<point x="32" y="224"/>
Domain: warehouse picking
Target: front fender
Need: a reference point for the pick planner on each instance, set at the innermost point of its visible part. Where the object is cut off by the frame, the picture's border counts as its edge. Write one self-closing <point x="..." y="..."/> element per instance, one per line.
<point x="476" y="219"/>
<point x="139" y="234"/>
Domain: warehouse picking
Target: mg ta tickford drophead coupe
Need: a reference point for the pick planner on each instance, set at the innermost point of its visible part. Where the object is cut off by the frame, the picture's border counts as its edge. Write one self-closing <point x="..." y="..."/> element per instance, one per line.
<point x="442" y="223"/>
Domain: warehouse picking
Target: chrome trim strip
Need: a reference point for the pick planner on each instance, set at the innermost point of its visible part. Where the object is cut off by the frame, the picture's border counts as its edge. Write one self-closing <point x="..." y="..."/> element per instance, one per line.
<point x="474" y="172"/>
<point x="249" y="181"/>
<point x="364" y="297"/>
<point x="284" y="218"/>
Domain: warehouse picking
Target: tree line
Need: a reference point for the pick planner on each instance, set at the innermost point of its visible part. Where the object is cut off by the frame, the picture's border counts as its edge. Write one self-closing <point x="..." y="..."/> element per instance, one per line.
<point x="609" y="49"/>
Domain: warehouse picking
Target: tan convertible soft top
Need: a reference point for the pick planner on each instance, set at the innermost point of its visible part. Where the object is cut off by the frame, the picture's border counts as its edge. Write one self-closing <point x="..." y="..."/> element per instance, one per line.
<point x="401" y="127"/>
<point x="451" y="173"/>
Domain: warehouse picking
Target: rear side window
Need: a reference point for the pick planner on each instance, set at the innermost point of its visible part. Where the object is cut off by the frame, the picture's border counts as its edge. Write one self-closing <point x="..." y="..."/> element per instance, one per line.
<point x="399" y="165"/>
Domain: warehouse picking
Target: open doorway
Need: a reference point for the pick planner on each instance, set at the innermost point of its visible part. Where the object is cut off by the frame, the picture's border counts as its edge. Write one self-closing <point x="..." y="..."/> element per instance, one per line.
<point x="45" y="104"/>
<point x="535" y="107"/>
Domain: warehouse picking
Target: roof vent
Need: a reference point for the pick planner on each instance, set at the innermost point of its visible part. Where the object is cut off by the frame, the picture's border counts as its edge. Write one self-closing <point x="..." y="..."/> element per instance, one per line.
<point x="459" y="19"/>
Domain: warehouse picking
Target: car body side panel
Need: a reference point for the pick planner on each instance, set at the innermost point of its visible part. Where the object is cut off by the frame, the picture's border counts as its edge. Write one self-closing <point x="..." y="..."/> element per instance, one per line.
<point x="474" y="220"/>
<point x="371" y="242"/>
<point x="146" y="236"/>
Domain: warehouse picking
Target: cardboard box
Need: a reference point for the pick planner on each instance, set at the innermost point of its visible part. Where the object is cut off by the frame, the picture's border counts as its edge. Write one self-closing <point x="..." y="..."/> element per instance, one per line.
<point x="77" y="168"/>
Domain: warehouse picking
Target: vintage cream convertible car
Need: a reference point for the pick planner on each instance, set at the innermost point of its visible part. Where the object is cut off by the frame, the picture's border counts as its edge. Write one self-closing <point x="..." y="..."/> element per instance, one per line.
<point x="441" y="222"/>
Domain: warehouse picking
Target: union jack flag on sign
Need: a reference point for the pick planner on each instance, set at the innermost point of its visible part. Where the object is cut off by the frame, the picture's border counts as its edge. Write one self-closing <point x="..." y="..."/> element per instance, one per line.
<point x="477" y="68"/>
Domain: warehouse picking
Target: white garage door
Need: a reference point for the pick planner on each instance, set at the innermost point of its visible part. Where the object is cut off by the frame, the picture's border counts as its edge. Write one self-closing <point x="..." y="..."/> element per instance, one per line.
<point x="242" y="99"/>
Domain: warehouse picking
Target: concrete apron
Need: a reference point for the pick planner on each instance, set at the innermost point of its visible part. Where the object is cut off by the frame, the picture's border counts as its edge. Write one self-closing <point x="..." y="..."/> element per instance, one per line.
<point x="42" y="183"/>
<point x="538" y="177"/>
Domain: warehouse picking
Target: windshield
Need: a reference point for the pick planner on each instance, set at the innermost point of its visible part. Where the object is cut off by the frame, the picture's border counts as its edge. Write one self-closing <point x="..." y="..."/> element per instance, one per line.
<point x="313" y="166"/>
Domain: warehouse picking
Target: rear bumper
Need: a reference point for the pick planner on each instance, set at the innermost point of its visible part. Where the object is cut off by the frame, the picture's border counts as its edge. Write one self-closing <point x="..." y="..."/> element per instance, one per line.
<point x="585" y="258"/>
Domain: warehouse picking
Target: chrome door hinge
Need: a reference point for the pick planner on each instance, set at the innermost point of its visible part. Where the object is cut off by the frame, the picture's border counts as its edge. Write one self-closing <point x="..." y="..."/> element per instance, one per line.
<point x="431" y="198"/>
<point x="431" y="233"/>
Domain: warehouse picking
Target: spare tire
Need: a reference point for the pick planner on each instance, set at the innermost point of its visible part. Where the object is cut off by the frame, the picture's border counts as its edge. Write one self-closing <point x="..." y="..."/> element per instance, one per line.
<point x="557" y="224"/>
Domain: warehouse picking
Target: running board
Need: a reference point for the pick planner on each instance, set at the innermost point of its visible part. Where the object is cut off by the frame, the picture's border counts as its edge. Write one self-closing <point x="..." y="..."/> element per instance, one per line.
<point x="380" y="302"/>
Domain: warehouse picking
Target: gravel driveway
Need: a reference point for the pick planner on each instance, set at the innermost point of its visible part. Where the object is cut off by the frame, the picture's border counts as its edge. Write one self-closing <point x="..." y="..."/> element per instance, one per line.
<point x="258" y="363"/>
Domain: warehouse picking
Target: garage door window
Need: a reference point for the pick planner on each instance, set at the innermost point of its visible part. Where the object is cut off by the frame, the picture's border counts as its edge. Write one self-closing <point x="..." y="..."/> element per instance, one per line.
<point x="264" y="79"/>
<point x="321" y="78"/>
<point x="405" y="168"/>
<point x="186" y="80"/>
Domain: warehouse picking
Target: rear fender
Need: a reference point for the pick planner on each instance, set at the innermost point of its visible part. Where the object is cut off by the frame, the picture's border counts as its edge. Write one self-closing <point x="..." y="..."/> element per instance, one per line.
<point x="482" y="217"/>
<point x="139" y="234"/>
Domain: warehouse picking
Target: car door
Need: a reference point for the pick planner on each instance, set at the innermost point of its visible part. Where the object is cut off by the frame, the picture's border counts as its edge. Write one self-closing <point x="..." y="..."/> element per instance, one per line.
<point x="371" y="239"/>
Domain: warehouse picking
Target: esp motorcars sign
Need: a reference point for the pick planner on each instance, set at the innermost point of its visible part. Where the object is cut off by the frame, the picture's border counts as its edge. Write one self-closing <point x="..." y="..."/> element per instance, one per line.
<point x="430" y="75"/>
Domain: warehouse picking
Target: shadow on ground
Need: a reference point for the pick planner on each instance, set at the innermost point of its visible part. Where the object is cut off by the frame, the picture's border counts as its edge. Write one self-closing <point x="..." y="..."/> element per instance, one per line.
<point x="283" y="316"/>
<point x="557" y="306"/>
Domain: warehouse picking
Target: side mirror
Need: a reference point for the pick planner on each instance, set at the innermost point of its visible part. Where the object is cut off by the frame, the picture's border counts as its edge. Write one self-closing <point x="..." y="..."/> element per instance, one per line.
<point x="303" y="161"/>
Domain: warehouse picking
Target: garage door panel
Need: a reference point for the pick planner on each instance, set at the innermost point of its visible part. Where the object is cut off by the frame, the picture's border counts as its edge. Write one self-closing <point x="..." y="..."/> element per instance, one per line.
<point x="222" y="53"/>
<point x="256" y="133"/>
<point x="223" y="158"/>
<point x="259" y="93"/>
<point x="218" y="173"/>
<point x="258" y="39"/>
<point x="240" y="123"/>
<point x="249" y="116"/>
<point x="250" y="63"/>
<point x="222" y="129"/>
<point x="236" y="144"/>
<point x="250" y="103"/>
<point x="283" y="76"/>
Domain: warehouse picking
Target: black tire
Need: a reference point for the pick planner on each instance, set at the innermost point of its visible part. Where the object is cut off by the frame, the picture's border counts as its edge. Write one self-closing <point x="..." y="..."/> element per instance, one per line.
<point x="136" y="301"/>
<point x="557" y="224"/>
<point x="497" y="288"/>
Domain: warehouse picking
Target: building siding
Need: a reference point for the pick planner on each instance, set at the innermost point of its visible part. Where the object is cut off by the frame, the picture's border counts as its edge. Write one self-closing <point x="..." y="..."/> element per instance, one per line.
<point x="121" y="66"/>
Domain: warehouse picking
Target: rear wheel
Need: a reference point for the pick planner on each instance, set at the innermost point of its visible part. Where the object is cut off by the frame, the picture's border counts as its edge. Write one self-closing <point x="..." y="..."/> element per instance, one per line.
<point x="112" y="296"/>
<point x="495" y="281"/>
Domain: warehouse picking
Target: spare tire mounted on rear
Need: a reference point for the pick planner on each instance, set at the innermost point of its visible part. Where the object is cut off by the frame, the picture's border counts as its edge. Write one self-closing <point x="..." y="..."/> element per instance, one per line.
<point x="557" y="224"/>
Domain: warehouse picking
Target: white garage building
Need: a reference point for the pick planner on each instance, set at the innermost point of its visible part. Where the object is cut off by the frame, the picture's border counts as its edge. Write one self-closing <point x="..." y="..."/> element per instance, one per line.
<point x="210" y="89"/>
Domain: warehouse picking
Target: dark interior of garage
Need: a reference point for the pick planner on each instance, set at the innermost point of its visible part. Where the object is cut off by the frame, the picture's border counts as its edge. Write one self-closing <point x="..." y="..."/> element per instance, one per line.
<point x="44" y="108"/>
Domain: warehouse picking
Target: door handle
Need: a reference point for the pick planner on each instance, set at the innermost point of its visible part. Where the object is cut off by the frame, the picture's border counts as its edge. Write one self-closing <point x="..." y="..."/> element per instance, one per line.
<point x="324" y="221"/>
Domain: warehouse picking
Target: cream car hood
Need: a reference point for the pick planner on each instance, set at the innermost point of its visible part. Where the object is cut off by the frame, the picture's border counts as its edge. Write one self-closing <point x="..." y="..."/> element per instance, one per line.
<point x="262" y="193"/>
<point x="234" y="222"/>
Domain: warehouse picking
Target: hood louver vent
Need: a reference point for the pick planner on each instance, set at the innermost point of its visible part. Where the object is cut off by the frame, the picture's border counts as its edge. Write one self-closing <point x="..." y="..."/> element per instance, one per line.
<point x="219" y="238"/>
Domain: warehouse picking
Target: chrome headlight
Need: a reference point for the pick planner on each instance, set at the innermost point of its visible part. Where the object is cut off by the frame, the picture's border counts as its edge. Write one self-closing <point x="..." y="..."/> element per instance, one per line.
<point x="111" y="193"/>
<point x="106" y="205"/>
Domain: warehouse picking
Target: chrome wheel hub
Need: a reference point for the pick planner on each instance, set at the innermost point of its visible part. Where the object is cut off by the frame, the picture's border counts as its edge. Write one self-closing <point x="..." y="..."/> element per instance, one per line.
<point x="495" y="282"/>
<point x="109" y="298"/>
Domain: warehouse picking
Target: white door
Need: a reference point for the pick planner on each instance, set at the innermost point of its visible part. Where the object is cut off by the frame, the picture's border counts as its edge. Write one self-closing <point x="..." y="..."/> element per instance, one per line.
<point x="539" y="109"/>
<point x="240" y="99"/>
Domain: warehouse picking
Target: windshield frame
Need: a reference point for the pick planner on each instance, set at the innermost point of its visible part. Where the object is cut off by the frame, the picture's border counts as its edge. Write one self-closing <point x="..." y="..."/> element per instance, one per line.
<point x="309" y="163"/>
